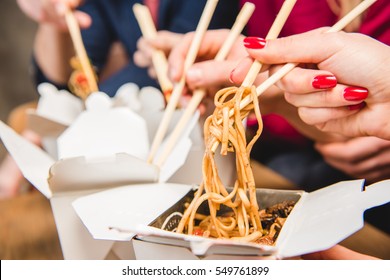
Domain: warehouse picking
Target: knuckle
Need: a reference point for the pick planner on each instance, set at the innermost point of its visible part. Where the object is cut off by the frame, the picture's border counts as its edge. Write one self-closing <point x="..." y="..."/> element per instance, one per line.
<point x="306" y="116"/>
<point x="290" y="98"/>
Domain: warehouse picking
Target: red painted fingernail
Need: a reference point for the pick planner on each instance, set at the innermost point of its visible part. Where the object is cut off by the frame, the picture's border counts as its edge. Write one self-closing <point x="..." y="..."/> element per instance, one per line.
<point x="324" y="82"/>
<point x="254" y="42"/>
<point x="231" y="76"/>
<point x="355" y="93"/>
<point x="357" y="106"/>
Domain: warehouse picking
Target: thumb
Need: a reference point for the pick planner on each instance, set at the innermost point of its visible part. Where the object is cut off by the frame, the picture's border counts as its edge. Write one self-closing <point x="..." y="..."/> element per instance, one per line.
<point x="165" y="40"/>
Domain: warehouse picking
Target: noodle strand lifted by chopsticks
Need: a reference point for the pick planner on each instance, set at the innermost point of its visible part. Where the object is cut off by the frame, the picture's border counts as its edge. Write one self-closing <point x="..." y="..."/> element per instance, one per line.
<point x="230" y="132"/>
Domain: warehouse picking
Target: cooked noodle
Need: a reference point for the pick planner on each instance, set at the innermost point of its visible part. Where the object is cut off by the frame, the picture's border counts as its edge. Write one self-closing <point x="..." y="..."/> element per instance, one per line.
<point x="244" y="222"/>
<point x="78" y="82"/>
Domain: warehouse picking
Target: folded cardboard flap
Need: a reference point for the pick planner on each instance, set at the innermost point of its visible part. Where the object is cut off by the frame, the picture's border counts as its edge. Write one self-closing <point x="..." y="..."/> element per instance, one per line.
<point x="375" y="194"/>
<point x="58" y="105"/>
<point x="44" y="127"/>
<point x="32" y="161"/>
<point x="74" y="174"/>
<point x="103" y="130"/>
<point x="124" y="206"/>
<point x="327" y="216"/>
<point x="81" y="173"/>
<point x="76" y="242"/>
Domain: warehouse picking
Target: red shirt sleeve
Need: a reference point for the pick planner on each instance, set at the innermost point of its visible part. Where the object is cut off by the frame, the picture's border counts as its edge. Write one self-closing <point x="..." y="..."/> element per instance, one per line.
<point x="376" y="22"/>
<point x="306" y="15"/>
<point x="309" y="14"/>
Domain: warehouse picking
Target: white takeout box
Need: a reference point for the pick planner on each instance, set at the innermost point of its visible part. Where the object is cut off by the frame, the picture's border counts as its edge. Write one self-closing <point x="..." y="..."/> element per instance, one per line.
<point x="318" y="221"/>
<point x="65" y="179"/>
<point x="59" y="109"/>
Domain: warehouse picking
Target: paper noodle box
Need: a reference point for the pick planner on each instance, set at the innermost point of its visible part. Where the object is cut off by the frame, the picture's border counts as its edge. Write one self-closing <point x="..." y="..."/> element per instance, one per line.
<point x="101" y="147"/>
<point x="59" y="109"/>
<point x="319" y="220"/>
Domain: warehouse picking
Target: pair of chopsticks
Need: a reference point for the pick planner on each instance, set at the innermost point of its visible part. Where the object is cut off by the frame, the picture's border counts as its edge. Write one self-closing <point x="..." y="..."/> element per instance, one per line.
<point x="342" y="23"/>
<point x="198" y="95"/>
<point x="74" y="30"/>
<point x="239" y="24"/>
<point x="159" y="60"/>
<point x="178" y="87"/>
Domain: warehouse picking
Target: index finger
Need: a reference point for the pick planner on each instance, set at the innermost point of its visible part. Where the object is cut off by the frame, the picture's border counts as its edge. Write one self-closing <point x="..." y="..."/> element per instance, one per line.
<point x="302" y="48"/>
<point x="211" y="44"/>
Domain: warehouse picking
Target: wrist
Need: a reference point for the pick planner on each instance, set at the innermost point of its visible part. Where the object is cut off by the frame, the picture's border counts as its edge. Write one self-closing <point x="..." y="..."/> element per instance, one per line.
<point x="53" y="49"/>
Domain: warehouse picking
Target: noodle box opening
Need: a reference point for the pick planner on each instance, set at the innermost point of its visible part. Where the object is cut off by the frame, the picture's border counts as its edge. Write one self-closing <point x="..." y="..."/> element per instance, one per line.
<point x="318" y="221"/>
<point x="92" y="149"/>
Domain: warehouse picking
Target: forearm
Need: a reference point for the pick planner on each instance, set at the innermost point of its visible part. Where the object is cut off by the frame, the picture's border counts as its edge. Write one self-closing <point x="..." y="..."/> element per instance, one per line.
<point x="53" y="50"/>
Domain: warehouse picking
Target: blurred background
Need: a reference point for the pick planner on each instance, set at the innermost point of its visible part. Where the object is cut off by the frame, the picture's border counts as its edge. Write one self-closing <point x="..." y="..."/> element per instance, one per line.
<point x="16" y="39"/>
<point x="27" y="229"/>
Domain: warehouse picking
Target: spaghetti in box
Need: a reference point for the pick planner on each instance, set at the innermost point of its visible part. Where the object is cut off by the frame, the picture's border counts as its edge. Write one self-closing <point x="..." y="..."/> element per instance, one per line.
<point x="95" y="149"/>
<point x="318" y="221"/>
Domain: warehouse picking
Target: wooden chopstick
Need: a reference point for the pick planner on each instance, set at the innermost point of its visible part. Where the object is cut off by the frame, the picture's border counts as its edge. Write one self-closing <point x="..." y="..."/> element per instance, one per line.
<point x="74" y="30"/>
<point x="273" y="33"/>
<point x="159" y="60"/>
<point x="178" y="88"/>
<point x="239" y="24"/>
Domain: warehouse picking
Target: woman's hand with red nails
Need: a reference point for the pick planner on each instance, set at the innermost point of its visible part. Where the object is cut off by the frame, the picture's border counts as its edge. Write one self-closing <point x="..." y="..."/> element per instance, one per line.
<point x="358" y="105"/>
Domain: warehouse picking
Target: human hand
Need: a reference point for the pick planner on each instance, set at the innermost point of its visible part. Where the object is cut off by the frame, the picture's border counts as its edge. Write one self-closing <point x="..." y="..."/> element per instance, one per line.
<point x="164" y="41"/>
<point x="337" y="252"/>
<point x="355" y="59"/>
<point x="362" y="157"/>
<point x="52" y="12"/>
<point x="206" y="73"/>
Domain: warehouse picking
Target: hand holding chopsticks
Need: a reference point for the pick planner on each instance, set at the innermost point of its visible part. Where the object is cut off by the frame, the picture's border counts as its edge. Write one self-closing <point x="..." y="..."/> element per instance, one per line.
<point x="357" y="104"/>
<point x="241" y="20"/>
<point x="288" y="67"/>
<point x="178" y="88"/>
